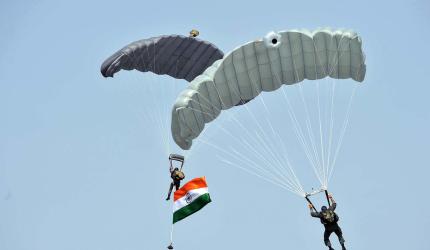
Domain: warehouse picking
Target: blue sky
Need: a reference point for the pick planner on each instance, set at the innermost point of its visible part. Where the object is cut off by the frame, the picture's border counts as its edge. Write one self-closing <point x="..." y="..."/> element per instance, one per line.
<point x="82" y="166"/>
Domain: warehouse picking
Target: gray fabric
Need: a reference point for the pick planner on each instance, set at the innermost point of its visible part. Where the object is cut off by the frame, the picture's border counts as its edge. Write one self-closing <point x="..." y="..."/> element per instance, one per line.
<point x="280" y="58"/>
<point x="178" y="56"/>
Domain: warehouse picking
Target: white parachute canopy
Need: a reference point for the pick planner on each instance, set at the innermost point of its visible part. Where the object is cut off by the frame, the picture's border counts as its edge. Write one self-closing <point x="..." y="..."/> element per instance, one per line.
<point x="264" y="65"/>
<point x="282" y="58"/>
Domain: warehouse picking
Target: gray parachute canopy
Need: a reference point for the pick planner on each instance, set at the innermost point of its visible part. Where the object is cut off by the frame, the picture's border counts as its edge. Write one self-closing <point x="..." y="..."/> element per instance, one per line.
<point x="286" y="57"/>
<point x="175" y="55"/>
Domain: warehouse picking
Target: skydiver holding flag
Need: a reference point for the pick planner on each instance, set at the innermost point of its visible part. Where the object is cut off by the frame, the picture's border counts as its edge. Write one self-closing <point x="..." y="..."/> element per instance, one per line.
<point x="175" y="173"/>
<point x="329" y="219"/>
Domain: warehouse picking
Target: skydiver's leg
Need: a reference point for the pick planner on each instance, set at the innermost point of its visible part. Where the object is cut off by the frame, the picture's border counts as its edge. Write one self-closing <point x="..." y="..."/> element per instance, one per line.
<point x="177" y="184"/>
<point x="338" y="232"/>
<point x="327" y="238"/>
<point x="170" y="191"/>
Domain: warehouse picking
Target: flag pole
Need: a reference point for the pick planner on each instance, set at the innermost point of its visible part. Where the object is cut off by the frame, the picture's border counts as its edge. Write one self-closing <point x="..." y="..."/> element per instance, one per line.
<point x="171" y="237"/>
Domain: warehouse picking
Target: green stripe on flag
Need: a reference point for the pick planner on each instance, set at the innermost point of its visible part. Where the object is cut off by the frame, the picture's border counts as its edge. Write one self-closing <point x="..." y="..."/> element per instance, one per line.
<point x="193" y="207"/>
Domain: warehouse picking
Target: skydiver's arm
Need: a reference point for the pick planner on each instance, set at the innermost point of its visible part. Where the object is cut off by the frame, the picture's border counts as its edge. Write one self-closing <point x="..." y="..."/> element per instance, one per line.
<point x="314" y="214"/>
<point x="171" y="167"/>
<point x="333" y="203"/>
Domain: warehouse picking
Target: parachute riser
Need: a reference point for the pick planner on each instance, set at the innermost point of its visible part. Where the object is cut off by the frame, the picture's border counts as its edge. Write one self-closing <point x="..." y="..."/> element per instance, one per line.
<point x="175" y="157"/>
<point x="326" y="195"/>
<point x="317" y="192"/>
<point x="310" y="202"/>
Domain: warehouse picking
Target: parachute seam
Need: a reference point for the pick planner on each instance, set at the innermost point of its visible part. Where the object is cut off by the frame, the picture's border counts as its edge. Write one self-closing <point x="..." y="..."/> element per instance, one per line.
<point x="195" y="117"/>
<point x="260" y="82"/>
<point x="350" y="58"/>
<point x="292" y="57"/>
<point x="355" y="73"/>
<point x="362" y="65"/>
<point x="191" y="63"/>
<point x="272" y="72"/>
<point x="336" y="56"/>
<point x="305" y="76"/>
<point x="253" y="88"/>
<point x="315" y="58"/>
<point x="192" y="42"/>
<point x="141" y="58"/>
<point x="201" y="111"/>
<point x="266" y="51"/>
<point x="339" y="47"/>
<point x="184" y="124"/>
<point x="282" y="67"/>
<point x="210" y="60"/>
<point x="151" y="65"/>
<point x="324" y="50"/>
<point x="218" y="94"/>
<point x="210" y="101"/>
<point x="326" y="56"/>
<point x="201" y="108"/>
<point x="197" y="67"/>
<point x="173" y="63"/>
<point x="194" y="63"/>
<point x="227" y="83"/>
<point x="235" y="75"/>
<point x="148" y="66"/>
<point x="216" y="89"/>
<point x="247" y="72"/>
<point x="156" y="56"/>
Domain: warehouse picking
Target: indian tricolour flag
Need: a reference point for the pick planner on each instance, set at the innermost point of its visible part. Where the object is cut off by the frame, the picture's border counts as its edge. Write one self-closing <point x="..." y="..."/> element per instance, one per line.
<point x="190" y="198"/>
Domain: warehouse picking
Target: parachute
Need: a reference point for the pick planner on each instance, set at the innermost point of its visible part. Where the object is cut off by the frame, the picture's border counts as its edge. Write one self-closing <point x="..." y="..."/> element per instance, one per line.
<point x="177" y="56"/>
<point x="286" y="57"/>
<point x="219" y="82"/>
<point x="174" y="55"/>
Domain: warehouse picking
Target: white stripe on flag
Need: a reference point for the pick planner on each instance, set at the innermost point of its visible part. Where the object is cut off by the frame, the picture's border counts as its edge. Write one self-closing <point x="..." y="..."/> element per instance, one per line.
<point x="189" y="197"/>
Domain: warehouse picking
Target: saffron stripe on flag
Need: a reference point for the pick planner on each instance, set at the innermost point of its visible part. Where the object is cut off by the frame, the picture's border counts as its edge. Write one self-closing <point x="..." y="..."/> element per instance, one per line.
<point x="193" y="184"/>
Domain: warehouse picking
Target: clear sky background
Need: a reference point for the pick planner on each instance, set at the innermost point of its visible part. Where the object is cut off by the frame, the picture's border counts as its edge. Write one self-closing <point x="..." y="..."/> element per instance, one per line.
<point x="81" y="166"/>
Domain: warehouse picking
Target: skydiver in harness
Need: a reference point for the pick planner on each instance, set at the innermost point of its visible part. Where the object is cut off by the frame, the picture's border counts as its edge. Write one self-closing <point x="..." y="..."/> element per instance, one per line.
<point x="329" y="219"/>
<point x="175" y="173"/>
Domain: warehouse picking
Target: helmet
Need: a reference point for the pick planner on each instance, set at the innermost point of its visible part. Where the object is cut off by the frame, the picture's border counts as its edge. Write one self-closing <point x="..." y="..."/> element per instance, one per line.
<point x="323" y="208"/>
<point x="194" y="33"/>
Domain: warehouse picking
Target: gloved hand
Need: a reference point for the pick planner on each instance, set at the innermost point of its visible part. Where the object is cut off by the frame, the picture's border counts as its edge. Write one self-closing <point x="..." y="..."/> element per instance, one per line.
<point x="330" y="196"/>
